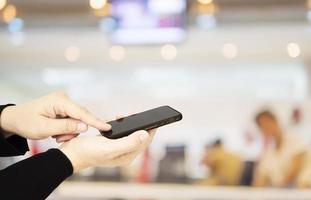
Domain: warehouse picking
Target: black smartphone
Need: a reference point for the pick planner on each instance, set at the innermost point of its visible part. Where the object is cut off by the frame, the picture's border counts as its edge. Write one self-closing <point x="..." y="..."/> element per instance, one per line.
<point x="146" y="120"/>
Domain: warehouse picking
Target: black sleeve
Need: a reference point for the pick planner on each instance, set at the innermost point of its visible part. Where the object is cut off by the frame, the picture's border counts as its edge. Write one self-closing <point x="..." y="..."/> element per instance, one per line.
<point x="14" y="145"/>
<point x="33" y="178"/>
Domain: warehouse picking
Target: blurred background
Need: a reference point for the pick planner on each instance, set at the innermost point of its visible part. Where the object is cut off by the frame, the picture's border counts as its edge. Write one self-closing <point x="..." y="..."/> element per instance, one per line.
<point x="219" y="62"/>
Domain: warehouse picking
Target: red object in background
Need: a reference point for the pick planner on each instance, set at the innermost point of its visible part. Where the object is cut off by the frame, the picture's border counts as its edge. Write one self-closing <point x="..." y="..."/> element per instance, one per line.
<point x="34" y="148"/>
<point x="144" y="173"/>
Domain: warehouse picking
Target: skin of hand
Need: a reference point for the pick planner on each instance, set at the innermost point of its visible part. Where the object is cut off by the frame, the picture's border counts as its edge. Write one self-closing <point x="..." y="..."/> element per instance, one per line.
<point x="52" y="115"/>
<point x="84" y="152"/>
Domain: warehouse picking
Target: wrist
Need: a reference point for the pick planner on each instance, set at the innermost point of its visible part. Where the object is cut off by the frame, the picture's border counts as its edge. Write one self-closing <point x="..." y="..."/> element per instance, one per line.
<point x="7" y="121"/>
<point x="71" y="157"/>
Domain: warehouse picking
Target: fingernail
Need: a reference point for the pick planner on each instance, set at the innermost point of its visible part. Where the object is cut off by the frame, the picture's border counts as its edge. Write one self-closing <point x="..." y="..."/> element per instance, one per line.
<point x="81" y="127"/>
<point x="143" y="136"/>
<point x="107" y="126"/>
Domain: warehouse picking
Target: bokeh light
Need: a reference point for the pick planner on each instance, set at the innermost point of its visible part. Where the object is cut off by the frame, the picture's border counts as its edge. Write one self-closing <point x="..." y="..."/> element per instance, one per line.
<point x="97" y="4"/>
<point x="205" y="1"/>
<point x="169" y="52"/>
<point x="9" y="13"/>
<point x="117" y="53"/>
<point x="107" y="24"/>
<point x="210" y="9"/>
<point x="230" y="50"/>
<point x="16" y="25"/>
<point x="2" y="4"/>
<point x="72" y="53"/>
<point x="293" y="50"/>
<point x="206" y="21"/>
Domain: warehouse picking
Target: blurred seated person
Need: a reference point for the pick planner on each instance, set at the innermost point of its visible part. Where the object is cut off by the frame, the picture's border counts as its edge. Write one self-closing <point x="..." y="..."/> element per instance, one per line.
<point x="225" y="167"/>
<point x="286" y="161"/>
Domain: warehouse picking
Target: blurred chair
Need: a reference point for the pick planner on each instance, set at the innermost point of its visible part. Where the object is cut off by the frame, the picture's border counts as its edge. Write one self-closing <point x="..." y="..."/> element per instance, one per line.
<point x="172" y="166"/>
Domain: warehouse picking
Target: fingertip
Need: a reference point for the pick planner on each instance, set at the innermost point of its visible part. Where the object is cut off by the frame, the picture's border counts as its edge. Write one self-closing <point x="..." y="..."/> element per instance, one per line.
<point x="105" y="126"/>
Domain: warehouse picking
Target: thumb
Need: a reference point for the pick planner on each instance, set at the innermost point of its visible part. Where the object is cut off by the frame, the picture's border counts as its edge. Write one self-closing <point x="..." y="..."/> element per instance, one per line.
<point x="64" y="126"/>
<point x="129" y="144"/>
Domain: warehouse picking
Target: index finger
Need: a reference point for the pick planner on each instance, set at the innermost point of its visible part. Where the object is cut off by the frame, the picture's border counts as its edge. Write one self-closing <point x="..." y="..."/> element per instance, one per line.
<point x="75" y="111"/>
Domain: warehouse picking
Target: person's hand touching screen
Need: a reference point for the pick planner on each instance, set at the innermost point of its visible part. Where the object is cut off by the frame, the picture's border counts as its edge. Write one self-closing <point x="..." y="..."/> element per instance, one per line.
<point x="52" y="115"/>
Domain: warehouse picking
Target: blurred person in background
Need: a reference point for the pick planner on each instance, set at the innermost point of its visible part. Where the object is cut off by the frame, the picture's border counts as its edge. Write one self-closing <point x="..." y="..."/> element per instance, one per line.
<point x="250" y="154"/>
<point x="286" y="161"/>
<point x="299" y="125"/>
<point x="57" y="116"/>
<point x="225" y="167"/>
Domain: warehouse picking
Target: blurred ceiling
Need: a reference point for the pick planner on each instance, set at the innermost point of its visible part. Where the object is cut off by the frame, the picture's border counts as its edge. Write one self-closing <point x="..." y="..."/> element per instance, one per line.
<point x="261" y="30"/>
<point x="78" y="13"/>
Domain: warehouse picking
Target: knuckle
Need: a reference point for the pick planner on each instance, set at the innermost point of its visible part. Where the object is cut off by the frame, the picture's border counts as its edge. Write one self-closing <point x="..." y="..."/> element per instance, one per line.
<point x="70" y="126"/>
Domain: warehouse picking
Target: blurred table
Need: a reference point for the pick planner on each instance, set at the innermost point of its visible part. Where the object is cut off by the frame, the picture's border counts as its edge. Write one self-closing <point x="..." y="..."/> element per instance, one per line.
<point x="102" y="190"/>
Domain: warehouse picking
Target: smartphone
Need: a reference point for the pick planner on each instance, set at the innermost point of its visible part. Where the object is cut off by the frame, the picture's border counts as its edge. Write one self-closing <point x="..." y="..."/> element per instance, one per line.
<point x="146" y="120"/>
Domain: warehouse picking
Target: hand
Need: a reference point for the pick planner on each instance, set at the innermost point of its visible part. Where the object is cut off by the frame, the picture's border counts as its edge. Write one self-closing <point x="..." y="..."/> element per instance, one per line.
<point x="84" y="152"/>
<point x="52" y="115"/>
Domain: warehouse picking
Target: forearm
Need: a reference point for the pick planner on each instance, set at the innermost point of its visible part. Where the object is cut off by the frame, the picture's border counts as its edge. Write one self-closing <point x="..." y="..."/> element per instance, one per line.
<point x="35" y="177"/>
<point x="10" y="144"/>
<point x="5" y="121"/>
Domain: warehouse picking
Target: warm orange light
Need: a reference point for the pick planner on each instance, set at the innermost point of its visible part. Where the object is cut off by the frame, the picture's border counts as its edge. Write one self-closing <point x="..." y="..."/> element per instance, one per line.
<point x="207" y="8"/>
<point x="205" y="1"/>
<point x="103" y="12"/>
<point x="9" y="13"/>
<point x="97" y="4"/>
<point x="2" y="4"/>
